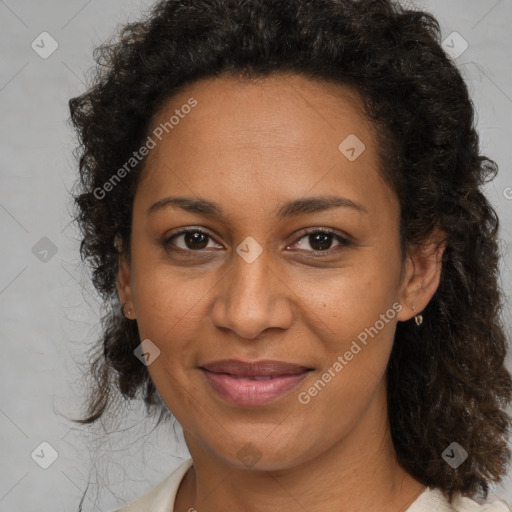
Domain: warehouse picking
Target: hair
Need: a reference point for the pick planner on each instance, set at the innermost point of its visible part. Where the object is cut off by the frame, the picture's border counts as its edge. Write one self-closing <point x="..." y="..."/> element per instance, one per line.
<point x="446" y="380"/>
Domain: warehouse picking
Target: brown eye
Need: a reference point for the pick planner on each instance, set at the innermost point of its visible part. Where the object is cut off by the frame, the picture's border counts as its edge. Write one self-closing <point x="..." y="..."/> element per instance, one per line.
<point x="195" y="240"/>
<point x="189" y="240"/>
<point x="321" y="240"/>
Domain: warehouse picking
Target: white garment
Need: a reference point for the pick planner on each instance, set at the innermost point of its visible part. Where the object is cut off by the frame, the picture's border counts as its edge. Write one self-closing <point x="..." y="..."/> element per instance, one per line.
<point x="161" y="498"/>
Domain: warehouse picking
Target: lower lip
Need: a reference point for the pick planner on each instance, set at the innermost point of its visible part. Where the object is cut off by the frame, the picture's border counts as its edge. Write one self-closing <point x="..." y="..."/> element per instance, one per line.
<point x="250" y="392"/>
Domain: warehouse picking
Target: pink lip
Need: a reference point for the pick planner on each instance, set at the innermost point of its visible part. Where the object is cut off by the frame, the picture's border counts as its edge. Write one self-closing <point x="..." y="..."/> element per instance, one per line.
<point x="250" y="384"/>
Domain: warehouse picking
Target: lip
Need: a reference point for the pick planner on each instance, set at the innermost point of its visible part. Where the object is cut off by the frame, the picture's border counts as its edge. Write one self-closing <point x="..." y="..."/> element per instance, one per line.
<point x="253" y="383"/>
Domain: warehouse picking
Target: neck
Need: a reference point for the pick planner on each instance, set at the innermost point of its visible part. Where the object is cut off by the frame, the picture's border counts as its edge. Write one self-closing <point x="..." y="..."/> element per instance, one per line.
<point x="359" y="473"/>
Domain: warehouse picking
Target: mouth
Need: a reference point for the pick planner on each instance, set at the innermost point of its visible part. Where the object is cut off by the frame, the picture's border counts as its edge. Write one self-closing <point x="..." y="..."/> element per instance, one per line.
<point x="253" y="383"/>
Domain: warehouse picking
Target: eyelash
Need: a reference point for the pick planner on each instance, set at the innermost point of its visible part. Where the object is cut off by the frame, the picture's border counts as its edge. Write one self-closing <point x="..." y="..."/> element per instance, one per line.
<point x="343" y="242"/>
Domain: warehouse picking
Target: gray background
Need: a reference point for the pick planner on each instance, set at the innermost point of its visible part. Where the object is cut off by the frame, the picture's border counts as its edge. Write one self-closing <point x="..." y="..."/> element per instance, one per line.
<point x="49" y="311"/>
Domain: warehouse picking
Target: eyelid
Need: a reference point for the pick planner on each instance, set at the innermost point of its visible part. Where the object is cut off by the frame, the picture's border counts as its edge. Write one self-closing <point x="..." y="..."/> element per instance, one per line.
<point x="189" y="229"/>
<point x="343" y="239"/>
<point x="320" y="229"/>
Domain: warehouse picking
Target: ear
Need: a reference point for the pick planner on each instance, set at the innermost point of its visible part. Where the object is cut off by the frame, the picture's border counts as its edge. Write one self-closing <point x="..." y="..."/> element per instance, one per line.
<point x="123" y="280"/>
<point x="421" y="276"/>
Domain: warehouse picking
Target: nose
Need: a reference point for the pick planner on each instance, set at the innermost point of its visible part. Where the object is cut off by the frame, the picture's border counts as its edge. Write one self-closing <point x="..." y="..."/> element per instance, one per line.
<point x="252" y="298"/>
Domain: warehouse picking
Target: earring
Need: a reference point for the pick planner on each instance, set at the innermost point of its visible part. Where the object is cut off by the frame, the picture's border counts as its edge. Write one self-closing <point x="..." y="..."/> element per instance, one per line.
<point x="127" y="315"/>
<point x="417" y="318"/>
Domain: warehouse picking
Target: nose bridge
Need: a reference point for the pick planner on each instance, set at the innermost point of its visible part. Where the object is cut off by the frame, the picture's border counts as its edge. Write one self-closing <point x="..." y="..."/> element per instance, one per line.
<point x="251" y="278"/>
<point x="251" y="299"/>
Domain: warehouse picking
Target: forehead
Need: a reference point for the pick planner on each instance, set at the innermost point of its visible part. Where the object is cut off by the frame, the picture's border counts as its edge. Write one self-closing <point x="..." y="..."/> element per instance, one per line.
<point x="280" y="108"/>
<point x="263" y="139"/>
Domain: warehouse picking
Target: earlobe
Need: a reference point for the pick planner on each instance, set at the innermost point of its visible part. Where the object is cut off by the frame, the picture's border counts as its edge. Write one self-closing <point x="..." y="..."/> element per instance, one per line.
<point x="422" y="277"/>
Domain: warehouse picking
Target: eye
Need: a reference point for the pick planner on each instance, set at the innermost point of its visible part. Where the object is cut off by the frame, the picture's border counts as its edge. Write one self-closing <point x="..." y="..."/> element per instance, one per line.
<point x="192" y="240"/>
<point x="321" y="240"/>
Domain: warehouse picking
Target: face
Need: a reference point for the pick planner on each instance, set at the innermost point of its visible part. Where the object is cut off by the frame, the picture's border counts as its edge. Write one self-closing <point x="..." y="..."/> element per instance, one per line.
<point x="284" y="252"/>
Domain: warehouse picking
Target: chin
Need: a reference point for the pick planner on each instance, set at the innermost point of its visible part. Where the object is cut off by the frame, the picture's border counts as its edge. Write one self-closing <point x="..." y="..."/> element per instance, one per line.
<point x="263" y="452"/>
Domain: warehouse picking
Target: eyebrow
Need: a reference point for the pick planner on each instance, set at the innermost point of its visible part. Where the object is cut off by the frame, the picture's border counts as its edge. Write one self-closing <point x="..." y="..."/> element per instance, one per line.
<point x="303" y="206"/>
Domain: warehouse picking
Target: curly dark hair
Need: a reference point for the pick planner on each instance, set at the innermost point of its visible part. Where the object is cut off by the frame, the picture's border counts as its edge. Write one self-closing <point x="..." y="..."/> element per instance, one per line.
<point x="446" y="380"/>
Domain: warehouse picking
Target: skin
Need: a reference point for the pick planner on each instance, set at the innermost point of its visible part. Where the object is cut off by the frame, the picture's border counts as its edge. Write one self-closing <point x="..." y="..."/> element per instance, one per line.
<point x="251" y="146"/>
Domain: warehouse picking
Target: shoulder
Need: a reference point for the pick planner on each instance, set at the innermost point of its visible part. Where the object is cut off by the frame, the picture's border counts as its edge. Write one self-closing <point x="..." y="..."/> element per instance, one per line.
<point x="161" y="497"/>
<point x="434" y="500"/>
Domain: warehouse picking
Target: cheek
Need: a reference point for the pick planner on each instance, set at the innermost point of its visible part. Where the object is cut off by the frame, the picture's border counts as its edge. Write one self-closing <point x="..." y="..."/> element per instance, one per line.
<point x="170" y="305"/>
<point x="350" y="302"/>
<point x="355" y="323"/>
<point x="354" y="317"/>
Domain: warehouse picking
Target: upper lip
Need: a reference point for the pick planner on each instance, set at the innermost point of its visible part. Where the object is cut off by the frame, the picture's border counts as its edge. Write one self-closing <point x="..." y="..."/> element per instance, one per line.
<point x="267" y="367"/>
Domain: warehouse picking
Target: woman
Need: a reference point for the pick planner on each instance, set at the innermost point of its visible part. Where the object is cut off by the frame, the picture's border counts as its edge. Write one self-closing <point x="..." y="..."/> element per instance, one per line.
<point x="280" y="202"/>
